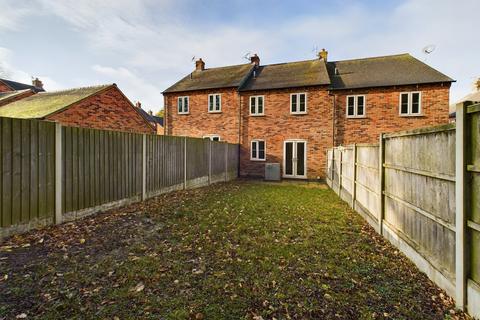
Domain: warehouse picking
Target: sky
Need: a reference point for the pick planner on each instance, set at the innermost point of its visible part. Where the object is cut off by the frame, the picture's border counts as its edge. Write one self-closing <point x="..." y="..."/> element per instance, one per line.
<point x="144" y="46"/>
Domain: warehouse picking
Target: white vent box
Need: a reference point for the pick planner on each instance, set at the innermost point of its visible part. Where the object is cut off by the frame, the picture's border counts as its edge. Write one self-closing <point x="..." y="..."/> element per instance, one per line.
<point x="272" y="171"/>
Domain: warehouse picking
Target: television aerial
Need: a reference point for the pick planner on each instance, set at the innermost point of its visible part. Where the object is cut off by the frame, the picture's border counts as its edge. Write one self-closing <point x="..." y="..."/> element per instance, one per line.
<point x="193" y="58"/>
<point x="247" y="56"/>
<point x="429" y="49"/>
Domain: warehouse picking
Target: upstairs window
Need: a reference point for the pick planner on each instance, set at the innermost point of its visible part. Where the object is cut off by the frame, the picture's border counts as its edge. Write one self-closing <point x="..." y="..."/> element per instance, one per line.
<point x="213" y="137"/>
<point x="356" y="106"/>
<point x="298" y="103"/>
<point x="257" y="151"/>
<point x="214" y="102"/>
<point x="256" y="106"/>
<point x="182" y="105"/>
<point x="410" y="103"/>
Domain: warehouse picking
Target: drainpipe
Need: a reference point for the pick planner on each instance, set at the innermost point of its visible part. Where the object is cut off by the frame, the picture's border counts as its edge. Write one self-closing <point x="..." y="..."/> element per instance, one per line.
<point x="334" y="100"/>
<point x="239" y="129"/>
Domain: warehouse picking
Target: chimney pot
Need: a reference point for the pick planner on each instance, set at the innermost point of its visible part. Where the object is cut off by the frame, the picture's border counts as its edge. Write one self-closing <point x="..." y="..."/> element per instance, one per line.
<point x="138" y="104"/>
<point x="255" y="59"/>
<point x="37" y="83"/>
<point x="322" y="55"/>
<point x="150" y="112"/>
<point x="199" y="65"/>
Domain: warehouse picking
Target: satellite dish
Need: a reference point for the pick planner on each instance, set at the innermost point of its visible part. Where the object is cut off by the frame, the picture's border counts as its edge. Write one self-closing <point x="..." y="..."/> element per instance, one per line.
<point x="429" y="49"/>
<point x="247" y="56"/>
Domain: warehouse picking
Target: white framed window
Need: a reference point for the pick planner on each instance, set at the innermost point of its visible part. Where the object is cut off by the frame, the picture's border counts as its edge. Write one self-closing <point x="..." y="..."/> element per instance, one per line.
<point x="410" y="103"/>
<point x="298" y="103"/>
<point x="257" y="150"/>
<point x="183" y="105"/>
<point x="213" y="137"/>
<point x="215" y="102"/>
<point x="257" y="106"/>
<point x="356" y="106"/>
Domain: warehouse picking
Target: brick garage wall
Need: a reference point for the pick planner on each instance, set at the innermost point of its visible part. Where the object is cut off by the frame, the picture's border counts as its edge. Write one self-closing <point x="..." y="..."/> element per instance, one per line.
<point x="199" y="122"/>
<point x="279" y="125"/>
<point x="382" y="112"/>
<point x="17" y="97"/>
<point x="108" y="109"/>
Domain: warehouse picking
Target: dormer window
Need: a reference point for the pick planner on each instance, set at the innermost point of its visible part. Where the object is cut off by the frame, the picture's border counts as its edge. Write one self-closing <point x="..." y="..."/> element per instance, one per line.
<point x="298" y="103"/>
<point x="183" y="105"/>
<point x="214" y="103"/>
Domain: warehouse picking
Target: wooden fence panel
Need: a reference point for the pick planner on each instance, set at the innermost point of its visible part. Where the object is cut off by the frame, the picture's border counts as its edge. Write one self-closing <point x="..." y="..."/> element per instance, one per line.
<point x="232" y="161"/>
<point x="197" y="152"/>
<point x="218" y="169"/>
<point x="27" y="164"/>
<point x="367" y="180"/>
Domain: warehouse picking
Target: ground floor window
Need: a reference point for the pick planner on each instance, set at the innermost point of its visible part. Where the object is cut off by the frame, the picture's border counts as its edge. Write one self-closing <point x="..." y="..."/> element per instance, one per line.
<point x="257" y="150"/>
<point x="213" y="137"/>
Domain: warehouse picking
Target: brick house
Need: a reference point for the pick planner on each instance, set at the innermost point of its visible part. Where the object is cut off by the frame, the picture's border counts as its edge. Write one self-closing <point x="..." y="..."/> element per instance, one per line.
<point x="11" y="91"/>
<point x="290" y="113"/>
<point x="99" y="107"/>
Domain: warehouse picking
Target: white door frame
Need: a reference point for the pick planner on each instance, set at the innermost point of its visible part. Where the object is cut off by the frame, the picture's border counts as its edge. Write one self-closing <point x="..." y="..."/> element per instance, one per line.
<point x="294" y="174"/>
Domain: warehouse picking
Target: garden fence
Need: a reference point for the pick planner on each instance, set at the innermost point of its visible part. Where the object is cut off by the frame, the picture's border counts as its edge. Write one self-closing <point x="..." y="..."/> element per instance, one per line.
<point x="420" y="190"/>
<point x="51" y="173"/>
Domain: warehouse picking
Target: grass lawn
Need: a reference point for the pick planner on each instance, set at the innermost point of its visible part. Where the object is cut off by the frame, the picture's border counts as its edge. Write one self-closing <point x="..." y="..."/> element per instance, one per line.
<point x="240" y="250"/>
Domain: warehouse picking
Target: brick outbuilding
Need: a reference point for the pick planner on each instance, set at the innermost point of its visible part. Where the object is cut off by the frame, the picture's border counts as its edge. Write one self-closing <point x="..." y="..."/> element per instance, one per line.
<point x="98" y="107"/>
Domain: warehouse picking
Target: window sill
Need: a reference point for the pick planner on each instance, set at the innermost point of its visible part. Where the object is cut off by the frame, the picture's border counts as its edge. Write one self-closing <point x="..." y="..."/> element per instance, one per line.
<point x="257" y="115"/>
<point x="214" y="111"/>
<point x="298" y="113"/>
<point x="183" y="113"/>
<point x="412" y="115"/>
<point x="356" y="117"/>
<point x="258" y="160"/>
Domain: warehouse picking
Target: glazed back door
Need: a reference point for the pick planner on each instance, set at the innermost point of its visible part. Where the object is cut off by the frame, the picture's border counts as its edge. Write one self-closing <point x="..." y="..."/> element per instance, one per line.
<point x="294" y="159"/>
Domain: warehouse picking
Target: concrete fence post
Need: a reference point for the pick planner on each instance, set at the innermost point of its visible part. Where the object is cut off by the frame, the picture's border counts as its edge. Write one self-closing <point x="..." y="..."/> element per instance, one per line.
<point x="340" y="163"/>
<point x="209" y="161"/>
<point x="184" y="162"/>
<point x="226" y="161"/>
<point x="354" y="175"/>
<point x="58" y="173"/>
<point x="460" y="215"/>
<point x="381" y="183"/>
<point x="144" y="167"/>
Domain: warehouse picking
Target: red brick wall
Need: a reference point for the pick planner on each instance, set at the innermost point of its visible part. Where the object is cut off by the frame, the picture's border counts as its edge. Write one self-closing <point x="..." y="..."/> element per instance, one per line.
<point x="17" y="97"/>
<point x="4" y="87"/>
<point x="382" y="112"/>
<point x="199" y="122"/>
<point x="278" y="125"/>
<point x="108" y="109"/>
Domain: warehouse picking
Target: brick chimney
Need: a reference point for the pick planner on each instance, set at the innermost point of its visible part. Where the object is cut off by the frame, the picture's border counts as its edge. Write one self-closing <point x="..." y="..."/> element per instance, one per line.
<point x="37" y="83"/>
<point x="322" y="55"/>
<point x="138" y="104"/>
<point x="255" y="59"/>
<point x="199" y="65"/>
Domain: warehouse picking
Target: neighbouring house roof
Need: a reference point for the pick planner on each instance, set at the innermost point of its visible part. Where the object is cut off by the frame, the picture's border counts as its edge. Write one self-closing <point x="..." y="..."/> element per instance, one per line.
<point x="288" y="75"/>
<point x="213" y="78"/>
<point x="474" y="97"/>
<point x="149" y="117"/>
<point x="401" y="69"/>
<point x="43" y="104"/>
<point x="11" y="94"/>
<point x="16" y="86"/>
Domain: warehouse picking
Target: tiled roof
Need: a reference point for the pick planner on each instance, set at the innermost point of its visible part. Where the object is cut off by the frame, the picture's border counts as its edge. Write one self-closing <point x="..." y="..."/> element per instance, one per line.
<point x="10" y="94"/>
<point x="149" y="117"/>
<point x="16" y="86"/>
<point x="213" y="78"/>
<point x="288" y="75"/>
<point x="402" y="69"/>
<point x="43" y="104"/>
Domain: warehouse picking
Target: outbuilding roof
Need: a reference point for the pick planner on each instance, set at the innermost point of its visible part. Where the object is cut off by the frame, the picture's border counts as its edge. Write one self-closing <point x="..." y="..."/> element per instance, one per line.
<point x="401" y="69"/>
<point x="43" y="104"/>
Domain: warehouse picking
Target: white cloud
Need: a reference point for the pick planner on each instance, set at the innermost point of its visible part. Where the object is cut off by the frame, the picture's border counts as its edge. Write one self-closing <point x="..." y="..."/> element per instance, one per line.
<point x="12" y="13"/>
<point x="134" y="87"/>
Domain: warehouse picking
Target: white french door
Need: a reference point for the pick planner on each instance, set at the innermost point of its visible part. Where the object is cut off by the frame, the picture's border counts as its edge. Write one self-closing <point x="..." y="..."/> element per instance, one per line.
<point x="295" y="159"/>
